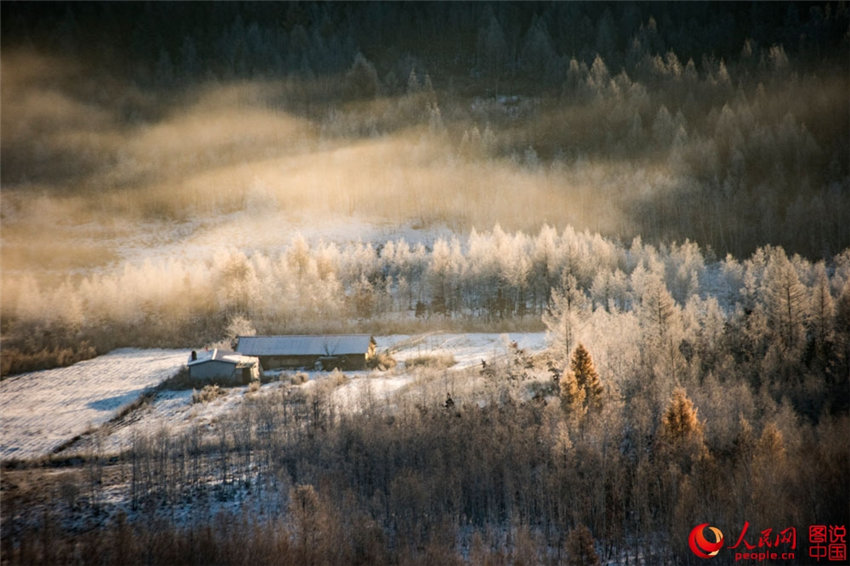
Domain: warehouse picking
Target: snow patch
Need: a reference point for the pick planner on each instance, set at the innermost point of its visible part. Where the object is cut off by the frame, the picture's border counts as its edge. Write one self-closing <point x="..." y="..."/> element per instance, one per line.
<point x="39" y="411"/>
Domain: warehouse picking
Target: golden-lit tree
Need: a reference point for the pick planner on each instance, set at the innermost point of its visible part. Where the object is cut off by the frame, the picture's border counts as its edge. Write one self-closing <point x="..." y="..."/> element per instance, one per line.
<point x="586" y="376"/>
<point x="572" y="396"/>
<point x="680" y="422"/>
<point x="682" y="434"/>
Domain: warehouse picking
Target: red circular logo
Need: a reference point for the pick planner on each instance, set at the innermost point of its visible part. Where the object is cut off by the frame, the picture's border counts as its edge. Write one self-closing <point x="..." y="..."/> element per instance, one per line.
<point x="701" y="545"/>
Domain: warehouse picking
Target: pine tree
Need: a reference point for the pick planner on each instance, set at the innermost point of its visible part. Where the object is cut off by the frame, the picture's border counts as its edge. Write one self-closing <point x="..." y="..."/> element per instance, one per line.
<point x="680" y="422"/>
<point x="362" y="78"/>
<point x="681" y="435"/>
<point x="586" y="376"/>
<point x="492" y="48"/>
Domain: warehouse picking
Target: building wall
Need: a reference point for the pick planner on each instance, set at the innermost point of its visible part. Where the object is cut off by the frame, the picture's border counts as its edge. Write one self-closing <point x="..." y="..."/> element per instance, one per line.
<point x="214" y="371"/>
<point x="353" y="361"/>
<point x="288" y="362"/>
<point x="347" y="362"/>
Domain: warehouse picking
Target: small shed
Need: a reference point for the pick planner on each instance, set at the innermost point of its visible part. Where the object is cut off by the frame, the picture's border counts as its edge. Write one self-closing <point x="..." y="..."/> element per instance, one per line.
<point x="324" y="352"/>
<point x="223" y="367"/>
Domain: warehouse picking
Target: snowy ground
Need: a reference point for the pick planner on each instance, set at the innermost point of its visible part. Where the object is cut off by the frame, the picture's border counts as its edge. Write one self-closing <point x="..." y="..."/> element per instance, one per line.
<point x="467" y="349"/>
<point x="41" y="411"/>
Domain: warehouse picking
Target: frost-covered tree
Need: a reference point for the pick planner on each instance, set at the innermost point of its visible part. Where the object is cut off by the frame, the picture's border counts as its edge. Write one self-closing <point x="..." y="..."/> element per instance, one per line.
<point x="705" y="331"/>
<point x="821" y="314"/>
<point x="598" y="76"/>
<point x="514" y="264"/>
<point x="660" y="322"/>
<point x="786" y="303"/>
<point x="609" y="290"/>
<point x="544" y="258"/>
<point x="237" y="326"/>
<point x="363" y="298"/>
<point x="567" y="313"/>
<point x="839" y="370"/>
<point x="443" y="271"/>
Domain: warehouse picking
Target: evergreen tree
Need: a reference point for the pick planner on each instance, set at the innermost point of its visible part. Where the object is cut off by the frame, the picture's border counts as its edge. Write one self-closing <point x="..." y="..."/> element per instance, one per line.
<point x="586" y="376"/>
<point x="572" y="396"/>
<point x="492" y="49"/>
<point x="538" y="58"/>
<point x="362" y="78"/>
<point x="680" y="422"/>
<point x="682" y="437"/>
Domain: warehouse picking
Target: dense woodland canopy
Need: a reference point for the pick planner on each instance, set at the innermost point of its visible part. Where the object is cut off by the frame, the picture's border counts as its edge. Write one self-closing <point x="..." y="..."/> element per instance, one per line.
<point x="662" y="187"/>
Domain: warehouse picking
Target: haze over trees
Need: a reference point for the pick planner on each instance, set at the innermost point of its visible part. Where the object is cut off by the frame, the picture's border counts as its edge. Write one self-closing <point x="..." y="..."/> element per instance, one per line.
<point x="662" y="188"/>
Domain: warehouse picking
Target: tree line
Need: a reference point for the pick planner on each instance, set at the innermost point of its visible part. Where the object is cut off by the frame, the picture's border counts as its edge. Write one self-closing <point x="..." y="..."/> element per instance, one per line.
<point x="762" y="314"/>
<point x="167" y="42"/>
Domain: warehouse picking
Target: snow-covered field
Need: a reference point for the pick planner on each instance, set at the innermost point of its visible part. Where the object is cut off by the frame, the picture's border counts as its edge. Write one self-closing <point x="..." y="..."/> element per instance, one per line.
<point x="40" y="411"/>
<point x="467" y="349"/>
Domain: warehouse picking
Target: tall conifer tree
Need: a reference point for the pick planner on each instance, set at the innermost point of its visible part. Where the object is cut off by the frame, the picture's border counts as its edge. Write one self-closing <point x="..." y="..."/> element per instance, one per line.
<point x="587" y="378"/>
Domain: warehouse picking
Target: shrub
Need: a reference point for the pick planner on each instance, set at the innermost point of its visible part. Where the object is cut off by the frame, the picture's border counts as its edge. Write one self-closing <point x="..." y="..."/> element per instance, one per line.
<point x="208" y="393"/>
<point x="338" y="378"/>
<point x="383" y="361"/>
<point x="17" y="360"/>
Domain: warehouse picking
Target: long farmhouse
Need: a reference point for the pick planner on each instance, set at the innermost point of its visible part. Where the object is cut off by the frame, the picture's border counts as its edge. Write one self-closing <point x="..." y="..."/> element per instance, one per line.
<point x="325" y="352"/>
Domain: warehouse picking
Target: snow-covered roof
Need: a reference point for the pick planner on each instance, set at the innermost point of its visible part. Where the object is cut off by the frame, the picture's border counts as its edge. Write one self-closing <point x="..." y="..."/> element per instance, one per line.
<point x="301" y="345"/>
<point x="220" y="356"/>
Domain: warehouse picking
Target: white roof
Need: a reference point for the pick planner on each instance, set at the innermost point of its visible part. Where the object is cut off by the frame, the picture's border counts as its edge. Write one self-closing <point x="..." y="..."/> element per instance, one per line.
<point x="217" y="355"/>
<point x="303" y="345"/>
